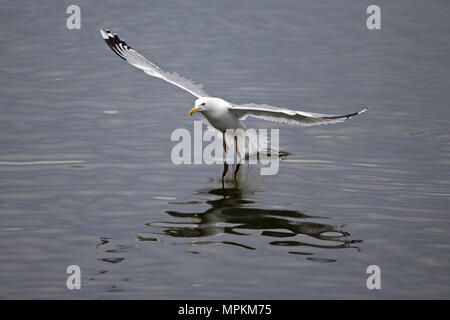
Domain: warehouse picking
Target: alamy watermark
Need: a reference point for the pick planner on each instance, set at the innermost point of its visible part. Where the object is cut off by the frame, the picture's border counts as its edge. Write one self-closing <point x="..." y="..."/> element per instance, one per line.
<point x="240" y="146"/>
<point x="374" y="280"/>
<point x="73" y="22"/>
<point x="373" y="22"/>
<point x="74" y="279"/>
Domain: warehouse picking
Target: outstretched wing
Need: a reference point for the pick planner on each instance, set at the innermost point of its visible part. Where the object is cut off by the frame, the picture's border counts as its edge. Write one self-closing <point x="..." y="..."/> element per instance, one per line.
<point x="134" y="58"/>
<point x="271" y="113"/>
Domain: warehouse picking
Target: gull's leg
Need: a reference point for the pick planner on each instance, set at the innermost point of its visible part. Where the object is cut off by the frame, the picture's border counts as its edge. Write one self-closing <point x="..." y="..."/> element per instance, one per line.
<point x="224" y="173"/>
<point x="236" y="147"/>
<point x="238" y="166"/>
<point x="224" y="143"/>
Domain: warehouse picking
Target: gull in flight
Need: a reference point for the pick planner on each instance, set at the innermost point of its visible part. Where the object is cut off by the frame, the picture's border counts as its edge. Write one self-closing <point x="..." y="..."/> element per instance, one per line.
<point x="221" y="114"/>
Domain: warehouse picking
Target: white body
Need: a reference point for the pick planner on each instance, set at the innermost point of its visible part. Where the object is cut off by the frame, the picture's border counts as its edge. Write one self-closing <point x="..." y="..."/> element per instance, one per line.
<point x="216" y="111"/>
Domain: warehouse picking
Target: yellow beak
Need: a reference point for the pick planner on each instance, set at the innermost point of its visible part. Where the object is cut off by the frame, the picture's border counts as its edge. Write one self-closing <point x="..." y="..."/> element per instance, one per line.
<point x="193" y="110"/>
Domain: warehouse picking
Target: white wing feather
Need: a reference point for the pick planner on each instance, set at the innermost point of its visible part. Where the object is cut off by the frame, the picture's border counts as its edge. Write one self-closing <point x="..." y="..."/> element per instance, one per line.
<point x="134" y="58"/>
<point x="288" y="116"/>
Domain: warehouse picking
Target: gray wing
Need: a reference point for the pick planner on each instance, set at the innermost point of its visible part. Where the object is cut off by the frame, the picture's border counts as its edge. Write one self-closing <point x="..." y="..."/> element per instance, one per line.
<point x="130" y="55"/>
<point x="271" y="113"/>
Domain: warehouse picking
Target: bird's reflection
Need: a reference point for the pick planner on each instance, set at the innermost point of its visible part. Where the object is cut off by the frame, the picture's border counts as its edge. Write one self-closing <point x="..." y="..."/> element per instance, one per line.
<point x="231" y="213"/>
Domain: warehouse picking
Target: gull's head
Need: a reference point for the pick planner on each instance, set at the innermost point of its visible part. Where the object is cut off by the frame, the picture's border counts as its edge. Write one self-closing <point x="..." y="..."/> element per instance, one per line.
<point x="209" y="105"/>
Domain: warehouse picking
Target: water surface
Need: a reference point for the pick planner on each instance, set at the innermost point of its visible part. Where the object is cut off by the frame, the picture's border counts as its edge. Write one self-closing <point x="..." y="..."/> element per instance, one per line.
<point x="86" y="176"/>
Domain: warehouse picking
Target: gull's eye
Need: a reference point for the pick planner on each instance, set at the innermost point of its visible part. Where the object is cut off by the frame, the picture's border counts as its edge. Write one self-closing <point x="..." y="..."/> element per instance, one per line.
<point x="203" y="104"/>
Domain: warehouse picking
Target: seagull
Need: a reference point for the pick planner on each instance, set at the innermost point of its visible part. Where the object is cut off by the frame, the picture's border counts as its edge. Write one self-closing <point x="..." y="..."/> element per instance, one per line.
<point x="221" y="114"/>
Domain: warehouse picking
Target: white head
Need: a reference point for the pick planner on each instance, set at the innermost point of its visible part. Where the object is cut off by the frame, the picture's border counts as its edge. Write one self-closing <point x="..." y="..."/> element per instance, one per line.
<point x="209" y="105"/>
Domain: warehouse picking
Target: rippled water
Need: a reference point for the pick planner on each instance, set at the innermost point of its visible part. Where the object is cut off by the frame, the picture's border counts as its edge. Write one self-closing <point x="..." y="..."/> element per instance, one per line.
<point x="85" y="169"/>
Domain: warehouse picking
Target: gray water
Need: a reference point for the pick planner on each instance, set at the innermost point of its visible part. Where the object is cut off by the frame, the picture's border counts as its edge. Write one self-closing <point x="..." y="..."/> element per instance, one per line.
<point x="86" y="177"/>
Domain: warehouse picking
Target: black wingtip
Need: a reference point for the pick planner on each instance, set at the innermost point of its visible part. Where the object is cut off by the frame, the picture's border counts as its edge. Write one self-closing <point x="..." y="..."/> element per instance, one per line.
<point x="348" y="116"/>
<point x="114" y="42"/>
<point x="364" y="110"/>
